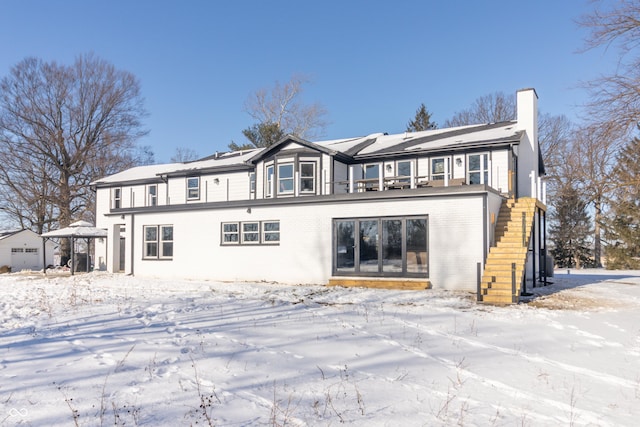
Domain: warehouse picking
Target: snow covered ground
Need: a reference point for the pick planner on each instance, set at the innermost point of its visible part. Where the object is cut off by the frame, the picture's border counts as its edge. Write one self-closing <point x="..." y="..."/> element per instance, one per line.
<point x="100" y="349"/>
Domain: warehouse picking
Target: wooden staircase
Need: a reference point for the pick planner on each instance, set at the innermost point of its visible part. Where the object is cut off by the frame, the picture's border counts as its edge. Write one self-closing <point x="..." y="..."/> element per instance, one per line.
<point x="511" y="248"/>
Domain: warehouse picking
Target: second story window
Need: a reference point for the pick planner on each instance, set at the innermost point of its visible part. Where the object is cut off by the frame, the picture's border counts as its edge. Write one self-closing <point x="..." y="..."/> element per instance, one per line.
<point x="372" y="171"/>
<point x="478" y="169"/>
<point x="440" y="167"/>
<point x="269" y="181"/>
<point x="193" y="188"/>
<point x="285" y="178"/>
<point x="117" y="198"/>
<point x="252" y="183"/>
<point x="152" y="195"/>
<point x="307" y="177"/>
<point x="404" y="170"/>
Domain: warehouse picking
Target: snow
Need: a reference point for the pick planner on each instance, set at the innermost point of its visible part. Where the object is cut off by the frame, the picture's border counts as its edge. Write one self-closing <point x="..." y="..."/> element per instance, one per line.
<point x="103" y="349"/>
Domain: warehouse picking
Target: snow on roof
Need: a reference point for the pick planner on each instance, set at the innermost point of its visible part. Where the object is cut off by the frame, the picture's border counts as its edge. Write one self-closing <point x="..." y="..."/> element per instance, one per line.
<point x="8" y="233"/>
<point x="78" y="229"/>
<point x="138" y="172"/>
<point x="370" y="145"/>
<point x="346" y="144"/>
<point x="441" y="138"/>
<point x="154" y="171"/>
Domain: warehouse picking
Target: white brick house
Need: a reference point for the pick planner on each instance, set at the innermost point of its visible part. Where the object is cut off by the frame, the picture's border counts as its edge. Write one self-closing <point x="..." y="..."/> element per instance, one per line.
<point x="420" y="206"/>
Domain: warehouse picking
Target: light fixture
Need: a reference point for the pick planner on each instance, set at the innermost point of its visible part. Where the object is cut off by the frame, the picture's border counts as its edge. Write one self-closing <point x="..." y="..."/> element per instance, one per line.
<point x="459" y="161"/>
<point x="248" y="210"/>
<point x="389" y="168"/>
<point x="216" y="181"/>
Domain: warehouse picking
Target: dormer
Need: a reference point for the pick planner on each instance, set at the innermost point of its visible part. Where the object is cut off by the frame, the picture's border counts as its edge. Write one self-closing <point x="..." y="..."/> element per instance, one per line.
<point x="293" y="167"/>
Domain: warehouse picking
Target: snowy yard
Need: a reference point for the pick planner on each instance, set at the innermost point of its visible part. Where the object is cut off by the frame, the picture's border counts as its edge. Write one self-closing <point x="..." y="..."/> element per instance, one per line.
<point x="100" y="349"/>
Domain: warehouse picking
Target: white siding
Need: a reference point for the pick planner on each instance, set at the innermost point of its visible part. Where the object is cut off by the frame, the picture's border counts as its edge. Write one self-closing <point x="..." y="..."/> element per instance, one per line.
<point x="422" y="167"/>
<point x="340" y="173"/>
<point x="456" y="240"/>
<point x="177" y="191"/>
<point x="500" y="170"/>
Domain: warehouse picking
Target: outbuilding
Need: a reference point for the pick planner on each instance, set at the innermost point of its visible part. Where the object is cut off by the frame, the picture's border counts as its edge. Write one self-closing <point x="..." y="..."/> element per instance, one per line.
<point x="22" y="250"/>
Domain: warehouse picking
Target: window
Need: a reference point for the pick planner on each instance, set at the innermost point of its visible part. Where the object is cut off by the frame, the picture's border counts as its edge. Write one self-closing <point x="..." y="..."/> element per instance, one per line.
<point x="394" y="246"/>
<point x="416" y="240"/>
<point x="230" y="233"/>
<point x="158" y="241"/>
<point x="372" y="171"/>
<point x="117" y="198"/>
<point x="271" y="232"/>
<point x="31" y="250"/>
<point x="151" y="241"/>
<point x="17" y="250"/>
<point x="307" y="177"/>
<point x="252" y="183"/>
<point x="440" y="166"/>
<point x="152" y="195"/>
<point x="269" y="181"/>
<point x="404" y="170"/>
<point x="193" y="188"/>
<point x="251" y="233"/>
<point x="166" y="239"/>
<point x="285" y="178"/>
<point x="478" y="168"/>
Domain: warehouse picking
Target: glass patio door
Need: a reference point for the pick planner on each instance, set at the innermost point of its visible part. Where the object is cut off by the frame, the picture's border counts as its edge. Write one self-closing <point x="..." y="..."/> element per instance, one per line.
<point x="381" y="247"/>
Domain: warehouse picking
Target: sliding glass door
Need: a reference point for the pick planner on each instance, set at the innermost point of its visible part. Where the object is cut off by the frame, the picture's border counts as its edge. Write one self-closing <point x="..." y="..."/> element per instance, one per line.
<point x="394" y="246"/>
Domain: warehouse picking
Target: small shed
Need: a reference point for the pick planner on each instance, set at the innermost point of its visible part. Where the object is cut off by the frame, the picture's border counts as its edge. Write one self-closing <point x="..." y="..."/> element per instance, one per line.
<point x="23" y="250"/>
<point x="78" y="231"/>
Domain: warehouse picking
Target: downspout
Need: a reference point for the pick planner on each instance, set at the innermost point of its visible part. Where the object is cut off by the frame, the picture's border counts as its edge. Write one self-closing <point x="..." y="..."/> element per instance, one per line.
<point x="44" y="255"/>
<point x="73" y="255"/>
<point x="132" y="257"/>
<point x="485" y="219"/>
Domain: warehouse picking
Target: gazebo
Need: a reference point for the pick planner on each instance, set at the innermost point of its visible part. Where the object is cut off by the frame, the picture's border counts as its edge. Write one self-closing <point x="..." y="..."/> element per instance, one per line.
<point x="82" y="230"/>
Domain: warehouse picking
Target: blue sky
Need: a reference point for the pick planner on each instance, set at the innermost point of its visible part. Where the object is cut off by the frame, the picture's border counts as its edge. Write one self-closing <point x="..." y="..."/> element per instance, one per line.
<point x="371" y="62"/>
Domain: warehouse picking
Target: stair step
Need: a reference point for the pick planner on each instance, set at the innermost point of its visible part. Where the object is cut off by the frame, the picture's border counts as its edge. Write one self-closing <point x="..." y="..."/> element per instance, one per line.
<point x="499" y="300"/>
<point x="497" y="278"/>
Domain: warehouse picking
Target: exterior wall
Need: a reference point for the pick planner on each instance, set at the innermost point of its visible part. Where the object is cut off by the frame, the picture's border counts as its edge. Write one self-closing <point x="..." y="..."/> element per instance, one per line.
<point x="340" y="173"/>
<point x="457" y="239"/>
<point x="527" y="102"/>
<point x="500" y="170"/>
<point x="224" y="187"/>
<point x="458" y="171"/>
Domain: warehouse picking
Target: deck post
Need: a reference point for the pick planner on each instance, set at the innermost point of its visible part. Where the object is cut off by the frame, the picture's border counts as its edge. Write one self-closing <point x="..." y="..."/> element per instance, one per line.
<point x="513" y="279"/>
<point x="479" y="276"/>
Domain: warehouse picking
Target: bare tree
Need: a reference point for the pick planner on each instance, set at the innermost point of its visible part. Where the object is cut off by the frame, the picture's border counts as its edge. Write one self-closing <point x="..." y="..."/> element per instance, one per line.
<point x="594" y="150"/>
<point x="555" y="135"/>
<point x="282" y="107"/>
<point x="492" y="108"/>
<point x="615" y="98"/>
<point x="184" y="154"/>
<point x="61" y="127"/>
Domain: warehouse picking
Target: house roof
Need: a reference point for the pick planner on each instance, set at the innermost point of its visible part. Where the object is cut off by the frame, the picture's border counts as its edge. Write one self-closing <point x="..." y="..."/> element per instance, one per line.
<point x="8" y="233"/>
<point x="222" y="161"/>
<point x="348" y="149"/>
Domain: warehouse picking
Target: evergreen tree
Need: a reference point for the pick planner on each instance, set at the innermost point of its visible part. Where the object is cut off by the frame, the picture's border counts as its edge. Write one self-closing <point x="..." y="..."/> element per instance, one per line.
<point x="259" y="135"/>
<point x="570" y="230"/>
<point x="422" y="121"/>
<point x="622" y="231"/>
